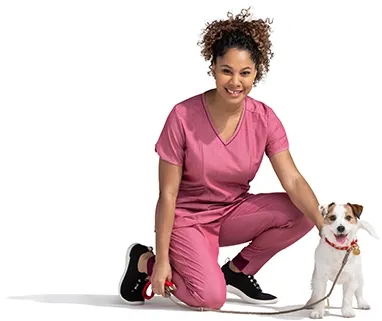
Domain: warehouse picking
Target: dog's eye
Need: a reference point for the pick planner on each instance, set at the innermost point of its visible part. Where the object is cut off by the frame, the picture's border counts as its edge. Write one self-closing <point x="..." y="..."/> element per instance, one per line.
<point x="333" y="218"/>
<point x="348" y="217"/>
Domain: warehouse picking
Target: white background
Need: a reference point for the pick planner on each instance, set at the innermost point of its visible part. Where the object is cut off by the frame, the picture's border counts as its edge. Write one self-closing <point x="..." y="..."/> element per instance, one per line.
<point x="85" y="89"/>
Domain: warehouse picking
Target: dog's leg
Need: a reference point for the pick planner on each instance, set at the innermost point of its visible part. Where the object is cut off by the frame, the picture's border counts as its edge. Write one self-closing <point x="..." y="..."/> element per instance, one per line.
<point x="347" y="301"/>
<point x="311" y="300"/>
<point x="319" y="284"/>
<point x="361" y="302"/>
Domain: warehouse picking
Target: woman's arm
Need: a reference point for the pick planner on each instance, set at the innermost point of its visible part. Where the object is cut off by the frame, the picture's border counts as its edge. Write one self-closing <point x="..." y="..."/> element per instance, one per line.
<point x="169" y="179"/>
<point x="296" y="186"/>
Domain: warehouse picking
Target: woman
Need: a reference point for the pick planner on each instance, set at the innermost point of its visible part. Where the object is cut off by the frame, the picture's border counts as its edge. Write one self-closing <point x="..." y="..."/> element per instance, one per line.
<point x="210" y="148"/>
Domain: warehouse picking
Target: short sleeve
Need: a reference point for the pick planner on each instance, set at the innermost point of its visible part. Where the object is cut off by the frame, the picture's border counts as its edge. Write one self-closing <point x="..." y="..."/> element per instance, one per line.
<point x="277" y="139"/>
<point x="171" y="143"/>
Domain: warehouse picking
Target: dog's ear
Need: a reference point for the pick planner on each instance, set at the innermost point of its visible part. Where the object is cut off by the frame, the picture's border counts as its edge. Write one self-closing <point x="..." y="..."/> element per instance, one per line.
<point x="367" y="227"/>
<point x="357" y="209"/>
<point x="324" y="208"/>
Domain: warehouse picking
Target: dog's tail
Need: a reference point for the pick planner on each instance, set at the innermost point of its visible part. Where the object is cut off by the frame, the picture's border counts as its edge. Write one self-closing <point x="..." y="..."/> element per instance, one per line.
<point x="367" y="227"/>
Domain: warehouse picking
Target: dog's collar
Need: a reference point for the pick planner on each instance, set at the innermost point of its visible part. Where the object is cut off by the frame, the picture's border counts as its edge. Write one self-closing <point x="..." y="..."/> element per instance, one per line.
<point x="352" y="245"/>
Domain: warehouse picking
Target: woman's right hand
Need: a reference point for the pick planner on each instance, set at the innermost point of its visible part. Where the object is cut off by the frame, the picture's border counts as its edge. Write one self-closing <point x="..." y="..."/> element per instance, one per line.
<point x="161" y="273"/>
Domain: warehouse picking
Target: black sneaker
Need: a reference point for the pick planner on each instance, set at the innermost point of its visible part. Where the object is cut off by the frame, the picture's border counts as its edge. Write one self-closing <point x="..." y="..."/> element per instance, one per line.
<point x="246" y="287"/>
<point x="133" y="281"/>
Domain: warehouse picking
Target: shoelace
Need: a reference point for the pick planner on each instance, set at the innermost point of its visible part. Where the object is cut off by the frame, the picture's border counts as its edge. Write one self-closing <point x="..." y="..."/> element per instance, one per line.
<point x="254" y="281"/>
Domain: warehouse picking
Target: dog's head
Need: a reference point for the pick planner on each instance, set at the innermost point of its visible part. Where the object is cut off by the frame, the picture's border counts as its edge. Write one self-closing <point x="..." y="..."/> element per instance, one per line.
<point x="342" y="222"/>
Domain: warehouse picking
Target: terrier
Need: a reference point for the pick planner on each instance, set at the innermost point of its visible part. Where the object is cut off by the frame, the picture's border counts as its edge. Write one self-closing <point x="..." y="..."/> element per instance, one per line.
<point x="339" y="233"/>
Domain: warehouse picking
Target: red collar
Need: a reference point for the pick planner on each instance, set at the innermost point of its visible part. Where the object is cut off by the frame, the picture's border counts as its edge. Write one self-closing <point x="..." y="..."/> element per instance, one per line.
<point x="354" y="242"/>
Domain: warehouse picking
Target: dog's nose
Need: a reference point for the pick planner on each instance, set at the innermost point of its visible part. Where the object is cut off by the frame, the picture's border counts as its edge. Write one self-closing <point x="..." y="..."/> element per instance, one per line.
<point x="341" y="228"/>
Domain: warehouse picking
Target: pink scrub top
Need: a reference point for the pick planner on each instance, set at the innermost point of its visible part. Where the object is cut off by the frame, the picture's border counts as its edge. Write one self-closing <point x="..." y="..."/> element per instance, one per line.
<point x="216" y="174"/>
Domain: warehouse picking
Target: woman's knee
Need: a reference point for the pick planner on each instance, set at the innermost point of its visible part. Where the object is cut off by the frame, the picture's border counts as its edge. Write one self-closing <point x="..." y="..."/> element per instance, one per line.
<point x="210" y="293"/>
<point x="212" y="296"/>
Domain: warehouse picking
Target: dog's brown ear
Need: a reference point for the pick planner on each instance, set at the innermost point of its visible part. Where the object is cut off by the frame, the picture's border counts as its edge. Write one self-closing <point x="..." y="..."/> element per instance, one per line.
<point x="357" y="209"/>
<point x="324" y="209"/>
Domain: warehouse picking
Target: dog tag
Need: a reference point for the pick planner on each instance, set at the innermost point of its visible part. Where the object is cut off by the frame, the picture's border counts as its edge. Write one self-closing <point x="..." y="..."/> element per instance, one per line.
<point x="356" y="251"/>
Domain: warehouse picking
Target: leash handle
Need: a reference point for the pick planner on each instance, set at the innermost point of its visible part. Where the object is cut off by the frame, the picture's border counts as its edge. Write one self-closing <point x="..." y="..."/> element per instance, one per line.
<point x="169" y="286"/>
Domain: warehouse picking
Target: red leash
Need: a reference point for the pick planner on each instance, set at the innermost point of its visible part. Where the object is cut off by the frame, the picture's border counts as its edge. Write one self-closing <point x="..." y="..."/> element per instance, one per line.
<point x="168" y="285"/>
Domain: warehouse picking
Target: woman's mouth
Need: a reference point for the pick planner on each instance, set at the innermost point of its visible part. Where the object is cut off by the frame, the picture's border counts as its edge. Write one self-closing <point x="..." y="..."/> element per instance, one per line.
<point x="233" y="93"/>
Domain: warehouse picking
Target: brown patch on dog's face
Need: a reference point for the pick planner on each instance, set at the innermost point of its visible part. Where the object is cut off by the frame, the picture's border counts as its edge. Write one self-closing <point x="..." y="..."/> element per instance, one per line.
<point x="330" y="216"/>
<point x="354" y="211"/>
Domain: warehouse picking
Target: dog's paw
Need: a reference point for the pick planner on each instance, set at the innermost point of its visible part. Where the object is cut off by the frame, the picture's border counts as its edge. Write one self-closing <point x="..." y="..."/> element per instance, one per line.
<point x="363" y="305"/>
<point x="316" y="314"/>
<point x="348" y="313"/>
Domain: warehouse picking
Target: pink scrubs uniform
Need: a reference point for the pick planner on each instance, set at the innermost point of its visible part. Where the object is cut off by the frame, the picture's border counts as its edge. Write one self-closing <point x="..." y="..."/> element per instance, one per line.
<point x="214" y="207"/>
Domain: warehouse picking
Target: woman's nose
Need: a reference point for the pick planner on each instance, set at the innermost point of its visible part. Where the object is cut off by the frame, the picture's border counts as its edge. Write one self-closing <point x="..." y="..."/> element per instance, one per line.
<point x="235" y="80"/>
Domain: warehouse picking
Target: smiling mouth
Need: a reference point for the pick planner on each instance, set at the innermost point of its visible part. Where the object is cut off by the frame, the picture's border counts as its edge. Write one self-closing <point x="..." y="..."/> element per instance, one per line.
<point x="340" y="238"/>
<point x="234" y="92"/>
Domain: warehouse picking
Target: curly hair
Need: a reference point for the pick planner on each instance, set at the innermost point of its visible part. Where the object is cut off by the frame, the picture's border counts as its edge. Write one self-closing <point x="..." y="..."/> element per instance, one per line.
<point x="241" y="33"/>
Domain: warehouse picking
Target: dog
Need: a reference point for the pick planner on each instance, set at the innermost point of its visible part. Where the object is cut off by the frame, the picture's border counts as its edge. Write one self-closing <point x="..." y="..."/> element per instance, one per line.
<point x="339" y="232"/>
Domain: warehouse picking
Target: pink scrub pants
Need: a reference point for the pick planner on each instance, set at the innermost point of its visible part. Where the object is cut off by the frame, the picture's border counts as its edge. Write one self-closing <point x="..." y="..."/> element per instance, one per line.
<point x="270" y="222"/>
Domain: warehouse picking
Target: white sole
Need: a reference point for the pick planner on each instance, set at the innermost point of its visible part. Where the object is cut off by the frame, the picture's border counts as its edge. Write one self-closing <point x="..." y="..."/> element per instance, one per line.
<point x="127" y="261"/>
<point x="241" y="295"/>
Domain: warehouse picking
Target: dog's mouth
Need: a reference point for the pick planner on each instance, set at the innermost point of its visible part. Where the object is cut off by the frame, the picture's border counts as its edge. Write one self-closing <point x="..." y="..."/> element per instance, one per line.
<point x="340" y="238"/>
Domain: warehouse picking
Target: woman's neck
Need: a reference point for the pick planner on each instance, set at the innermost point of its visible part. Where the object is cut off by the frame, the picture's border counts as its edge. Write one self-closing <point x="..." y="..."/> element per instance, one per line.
<point x="217" y="104"/>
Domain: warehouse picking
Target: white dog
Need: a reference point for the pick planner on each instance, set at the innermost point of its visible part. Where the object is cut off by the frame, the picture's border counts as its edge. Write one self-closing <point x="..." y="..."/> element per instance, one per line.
<point x="341" y="223"/>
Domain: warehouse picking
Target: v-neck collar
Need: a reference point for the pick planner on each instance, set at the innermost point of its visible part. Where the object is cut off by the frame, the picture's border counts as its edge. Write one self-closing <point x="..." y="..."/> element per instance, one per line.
<point x="238" y="127"/>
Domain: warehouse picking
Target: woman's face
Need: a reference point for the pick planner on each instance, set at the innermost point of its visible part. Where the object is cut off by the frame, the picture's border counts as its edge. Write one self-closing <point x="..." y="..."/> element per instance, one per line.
<point x="234" y="74"/>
